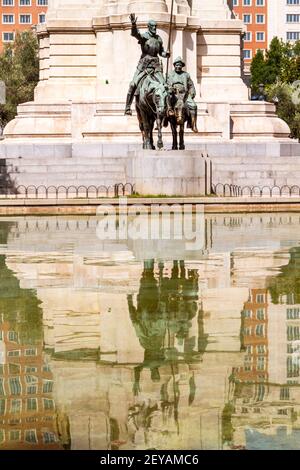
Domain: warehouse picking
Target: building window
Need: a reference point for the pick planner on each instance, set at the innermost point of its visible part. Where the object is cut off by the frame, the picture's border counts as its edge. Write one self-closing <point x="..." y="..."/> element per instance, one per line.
<point x="260" y="392"/>
<point x="247" y="53"/>
<point x="259" y="330"/>
<point x="292" y="367"/>
<point x="284" y="393"/>
<point x="293" y="36"/>
<point x="6" y="3"/>
<point x="260" y="36"/>
<point x="15" y="435"/>
<point x="261" y="363"/>
<point x="15" y="385"/>
<point x="16" y="406"/>
<point x="30" y="436"/>
<point x="283" y="411"/>
<point x="292" y="18"/>
<point x="2" y="406"/>
<point x="13" y="336"/>
<point x="247" y="313"/>
<point x="8" y="36"/>
<point x="260" y="298"/>
<point x="25" y="3"/>
<point x="25" y="19"/>
<point x="248" y="36"/>
<point x="48" y="404"/>
<point x="42" y="18"/>
<point x="30" y="352"/>
<point x="49" y="437"/>
<point x="293" y="333"/>
<point x="260" y="3"/>
<point x="42" y="3"/>
<point x="31" y="379"/>
<point x="292" y="313"/>
<point x="14" y="353"/>
<point x="2" y="387"/>
<point x="31" y="404"/>
<point x="247" y="19"/>
<point x="261" y="348"/>
<point x="260" y="19"/>
<point x="48" y="386"/>
<point x="8" y="19"/>
<point x="31" y="390"/>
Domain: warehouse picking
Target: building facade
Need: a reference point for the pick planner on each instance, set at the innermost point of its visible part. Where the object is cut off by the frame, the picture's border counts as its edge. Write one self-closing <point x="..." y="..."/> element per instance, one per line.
<point x="255" y="15"/>
<point x="266" y="19"/>
<point x="20" y="15"/>
<point x="284" y="19"/>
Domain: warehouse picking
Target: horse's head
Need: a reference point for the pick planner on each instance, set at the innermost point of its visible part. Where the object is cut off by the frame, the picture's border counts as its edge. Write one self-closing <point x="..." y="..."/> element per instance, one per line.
<point x="159" y="99"/>
<point x="178" y="99"/>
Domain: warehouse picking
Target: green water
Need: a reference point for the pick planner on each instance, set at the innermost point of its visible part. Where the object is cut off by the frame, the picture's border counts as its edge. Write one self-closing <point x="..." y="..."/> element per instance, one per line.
<point x="149" y="344"/>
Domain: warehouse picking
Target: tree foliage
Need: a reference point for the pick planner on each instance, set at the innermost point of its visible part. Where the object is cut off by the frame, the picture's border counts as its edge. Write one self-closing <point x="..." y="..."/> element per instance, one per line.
<point x="287" y="109"/>
<point x="281" y="63"/>
<point x="278" y="70"/>
<point x="19" y="70"/>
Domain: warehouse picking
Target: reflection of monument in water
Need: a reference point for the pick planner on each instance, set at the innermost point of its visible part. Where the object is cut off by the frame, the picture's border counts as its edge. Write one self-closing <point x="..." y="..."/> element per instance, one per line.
<point x="96" y="300"/>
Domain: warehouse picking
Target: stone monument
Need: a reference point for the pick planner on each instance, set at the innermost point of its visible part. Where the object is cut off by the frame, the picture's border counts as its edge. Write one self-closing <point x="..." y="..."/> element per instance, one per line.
<point x="87" y="58"/>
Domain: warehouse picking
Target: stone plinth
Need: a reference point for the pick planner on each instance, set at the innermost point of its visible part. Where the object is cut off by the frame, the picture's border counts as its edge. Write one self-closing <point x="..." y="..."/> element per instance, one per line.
<point x="63" y="162"/>
<point x="169" y="172"/>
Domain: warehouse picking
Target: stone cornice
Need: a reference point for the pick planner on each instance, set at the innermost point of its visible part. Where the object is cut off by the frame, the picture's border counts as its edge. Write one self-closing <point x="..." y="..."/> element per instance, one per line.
<point x="121" y="22"/>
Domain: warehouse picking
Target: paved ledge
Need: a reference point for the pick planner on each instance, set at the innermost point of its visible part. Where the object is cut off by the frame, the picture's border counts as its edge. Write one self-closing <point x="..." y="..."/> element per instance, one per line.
<point x="88" y="206"/>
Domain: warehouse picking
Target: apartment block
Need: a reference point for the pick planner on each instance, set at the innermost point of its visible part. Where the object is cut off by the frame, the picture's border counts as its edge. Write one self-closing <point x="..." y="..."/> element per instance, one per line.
<point x="254" y="13"/>
<point x="284" y="19"/>
<point x="20" y="15"/>
<point x="266" y="19"/>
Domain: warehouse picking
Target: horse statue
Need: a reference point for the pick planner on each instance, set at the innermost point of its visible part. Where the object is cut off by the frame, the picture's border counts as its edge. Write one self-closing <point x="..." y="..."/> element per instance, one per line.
<point x="178" y="113"/>
<point x="151" y="107"/>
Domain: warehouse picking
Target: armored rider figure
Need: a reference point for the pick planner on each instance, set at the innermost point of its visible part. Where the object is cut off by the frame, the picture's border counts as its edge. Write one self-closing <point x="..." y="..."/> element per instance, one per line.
<point x="179" y="76"/>
<point x="151" y="46"/>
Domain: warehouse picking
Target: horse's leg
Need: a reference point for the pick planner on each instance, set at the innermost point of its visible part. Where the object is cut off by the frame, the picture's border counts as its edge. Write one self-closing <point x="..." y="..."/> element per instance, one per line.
<point x="147" y="129"/>
<point x="159" y="140"/>
<point x="174" y="134"/>
<point x="181" y="137"/>
<point x="151" y="135"/>
<point x="140" y="119"/>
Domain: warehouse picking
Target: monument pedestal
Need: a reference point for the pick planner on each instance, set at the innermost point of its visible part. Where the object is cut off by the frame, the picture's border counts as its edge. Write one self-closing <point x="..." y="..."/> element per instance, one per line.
<point x="75" y="131"/>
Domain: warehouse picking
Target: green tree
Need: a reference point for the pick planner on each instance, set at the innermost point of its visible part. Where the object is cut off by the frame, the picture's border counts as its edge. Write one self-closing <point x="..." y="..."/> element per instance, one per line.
<point x="258" y="70"/>
<point x="275" y="60"/>
<point x="19" y="69"/>
<point x="287" y="109"/>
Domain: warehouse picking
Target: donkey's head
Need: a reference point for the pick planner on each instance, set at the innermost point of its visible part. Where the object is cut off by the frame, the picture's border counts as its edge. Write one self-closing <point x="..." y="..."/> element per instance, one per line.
<point x="178" y="99"/>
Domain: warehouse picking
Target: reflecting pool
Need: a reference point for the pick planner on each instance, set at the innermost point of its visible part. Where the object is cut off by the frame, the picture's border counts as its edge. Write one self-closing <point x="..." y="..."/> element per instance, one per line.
<point x="145" y="344"/>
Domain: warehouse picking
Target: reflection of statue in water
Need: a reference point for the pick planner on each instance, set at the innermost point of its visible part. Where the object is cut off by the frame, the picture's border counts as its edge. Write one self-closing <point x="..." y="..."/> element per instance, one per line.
<point x="162" y="320"/>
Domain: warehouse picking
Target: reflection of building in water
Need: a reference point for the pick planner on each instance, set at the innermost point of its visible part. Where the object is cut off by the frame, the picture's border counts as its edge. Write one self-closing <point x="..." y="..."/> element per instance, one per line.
<point x="267" y="412"/>
<point x="27" y="410"/>
<point x="26" y="404"/>
<point x="255" y="338"/>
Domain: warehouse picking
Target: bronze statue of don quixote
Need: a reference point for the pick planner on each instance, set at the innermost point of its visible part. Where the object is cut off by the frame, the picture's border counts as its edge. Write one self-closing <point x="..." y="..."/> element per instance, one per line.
<point x="160" y="100"/>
